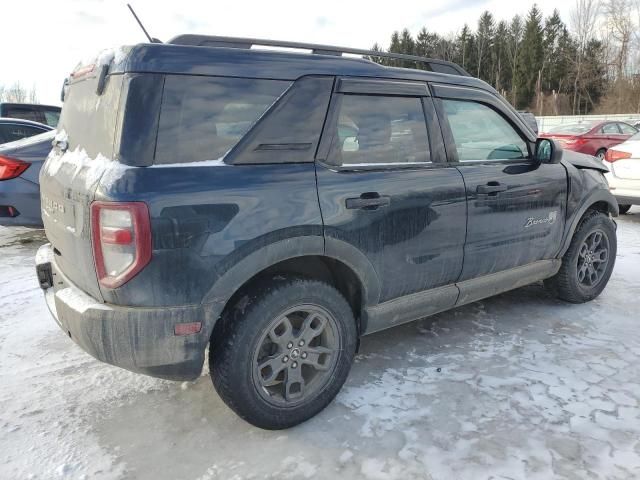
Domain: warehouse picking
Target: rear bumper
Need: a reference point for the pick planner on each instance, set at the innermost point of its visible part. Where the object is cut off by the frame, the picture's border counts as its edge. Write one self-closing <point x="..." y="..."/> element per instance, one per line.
<point x="24" y="197"/>
<point x="138" y="339"/>
<point x="626" y="191"/>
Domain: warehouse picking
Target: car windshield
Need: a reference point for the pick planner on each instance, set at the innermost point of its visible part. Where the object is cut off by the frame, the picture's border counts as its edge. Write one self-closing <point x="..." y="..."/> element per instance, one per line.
<point x="572" y="128"/>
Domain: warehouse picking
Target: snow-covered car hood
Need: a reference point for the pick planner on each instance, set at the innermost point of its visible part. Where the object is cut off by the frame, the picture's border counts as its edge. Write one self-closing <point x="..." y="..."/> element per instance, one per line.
<point x="580" y="160"/>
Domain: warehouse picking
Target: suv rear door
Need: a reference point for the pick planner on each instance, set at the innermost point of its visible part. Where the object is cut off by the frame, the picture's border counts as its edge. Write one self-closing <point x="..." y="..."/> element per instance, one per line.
<point x="516" y="206"/>
<point x="69" y="177"/>
<point x="385" y="188"/>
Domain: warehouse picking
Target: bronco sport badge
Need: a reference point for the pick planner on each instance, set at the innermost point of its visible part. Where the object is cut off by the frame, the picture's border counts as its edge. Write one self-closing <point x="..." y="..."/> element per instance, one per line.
<point x="531" y="221"/>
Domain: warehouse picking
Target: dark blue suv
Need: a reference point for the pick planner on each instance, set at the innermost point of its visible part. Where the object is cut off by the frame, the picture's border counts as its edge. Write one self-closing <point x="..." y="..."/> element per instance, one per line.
<point x="276" y="206"/>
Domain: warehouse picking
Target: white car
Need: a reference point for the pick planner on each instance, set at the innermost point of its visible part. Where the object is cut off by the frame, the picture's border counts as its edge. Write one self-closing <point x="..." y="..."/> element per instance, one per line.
<point x="623" y="161"/>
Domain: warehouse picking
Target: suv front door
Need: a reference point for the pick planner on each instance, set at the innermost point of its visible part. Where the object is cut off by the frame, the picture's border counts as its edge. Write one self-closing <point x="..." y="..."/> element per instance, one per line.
<point x="386" y="191"/>
<point x="516" y="206"/>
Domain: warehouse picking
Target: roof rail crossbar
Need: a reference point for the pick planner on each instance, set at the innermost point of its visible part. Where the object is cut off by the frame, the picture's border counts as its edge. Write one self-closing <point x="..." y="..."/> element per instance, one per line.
<point x="437" y="65"/>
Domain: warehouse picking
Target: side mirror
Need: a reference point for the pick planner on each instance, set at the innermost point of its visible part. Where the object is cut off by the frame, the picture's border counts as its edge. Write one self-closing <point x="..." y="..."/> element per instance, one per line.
<point x="548" y="151"/>
<point x="65" y="87"/>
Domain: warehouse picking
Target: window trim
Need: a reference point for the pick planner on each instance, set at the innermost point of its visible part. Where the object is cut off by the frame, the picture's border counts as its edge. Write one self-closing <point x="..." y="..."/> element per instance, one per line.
<point x="375" y="87"/>
<point x="387" y="88"/>
<point x="464" y="94"/>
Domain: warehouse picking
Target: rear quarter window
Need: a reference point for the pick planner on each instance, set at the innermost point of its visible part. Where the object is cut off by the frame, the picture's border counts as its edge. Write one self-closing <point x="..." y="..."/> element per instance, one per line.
<point x="202" y="118"/>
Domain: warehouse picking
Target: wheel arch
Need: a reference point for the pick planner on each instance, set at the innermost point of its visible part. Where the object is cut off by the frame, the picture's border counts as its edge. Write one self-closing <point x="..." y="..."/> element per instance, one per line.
<point x="345" y="268"/>
<point x="600" y="200"/>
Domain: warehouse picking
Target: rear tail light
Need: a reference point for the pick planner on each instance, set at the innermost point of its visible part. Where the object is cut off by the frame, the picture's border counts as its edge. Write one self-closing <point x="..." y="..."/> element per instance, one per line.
<point x="573" y="142"/>
<point x="121" y="236"/>
<point x="613" y="155"/>
<point x="11" y="167"/>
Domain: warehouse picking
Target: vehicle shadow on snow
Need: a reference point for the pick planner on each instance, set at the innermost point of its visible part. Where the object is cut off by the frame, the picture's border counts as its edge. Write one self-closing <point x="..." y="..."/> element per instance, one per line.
<point x="187" y="428"/>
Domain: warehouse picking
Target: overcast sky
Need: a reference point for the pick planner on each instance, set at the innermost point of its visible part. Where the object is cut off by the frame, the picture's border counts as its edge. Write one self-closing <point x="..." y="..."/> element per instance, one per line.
<point x="41" y="41"/>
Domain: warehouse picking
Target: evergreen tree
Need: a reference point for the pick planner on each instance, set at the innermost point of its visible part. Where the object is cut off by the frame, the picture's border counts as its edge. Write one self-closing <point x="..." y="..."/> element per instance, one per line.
<point x="466" y="54"/>
<point x="394" y="47"/>
<point x="426" y="43"/>
<point x="594" y="75"/>
<point x="524" y="59"/>
<point x="376" y="48"/>
<point x="407" y="46"/>
<point x="484" y="39"/>
<point x="530" y="59"/>
<point x="514" y="45"/>
<point x="501" y="75"/>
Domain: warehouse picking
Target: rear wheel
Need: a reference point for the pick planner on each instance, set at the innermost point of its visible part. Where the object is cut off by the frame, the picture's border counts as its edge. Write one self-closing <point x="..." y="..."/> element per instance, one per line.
<point x="601" y="153"/>
<point x="588" y="263"/>
<point x="286" y="352"/>
<point x="623" y="209"/>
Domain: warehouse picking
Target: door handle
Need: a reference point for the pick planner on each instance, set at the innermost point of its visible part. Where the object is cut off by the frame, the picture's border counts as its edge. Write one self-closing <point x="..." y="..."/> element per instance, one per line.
<point x="368" y="201"/>
<point x="491" y="188"/>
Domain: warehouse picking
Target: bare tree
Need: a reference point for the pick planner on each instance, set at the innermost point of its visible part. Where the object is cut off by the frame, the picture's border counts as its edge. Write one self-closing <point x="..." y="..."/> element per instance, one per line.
<point x="33" y="95"/>
<point x="583" y="22"/>
<point x="620" y="25"/>
<point x="16" y="93"/>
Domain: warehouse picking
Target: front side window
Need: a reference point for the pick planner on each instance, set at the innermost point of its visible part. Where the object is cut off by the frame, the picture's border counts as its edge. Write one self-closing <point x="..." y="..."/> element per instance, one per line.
<point x="202" y="118"/>
<point x="374" y="129"/>
<point x="480" y="133"/>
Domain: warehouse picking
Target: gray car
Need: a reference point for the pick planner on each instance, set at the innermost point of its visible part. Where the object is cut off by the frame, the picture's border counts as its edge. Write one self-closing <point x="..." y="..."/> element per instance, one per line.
<point x="20" y="163"/>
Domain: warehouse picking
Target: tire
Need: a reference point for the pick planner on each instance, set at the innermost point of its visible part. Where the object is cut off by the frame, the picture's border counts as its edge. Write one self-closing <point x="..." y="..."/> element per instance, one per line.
<point x="600" y="153"/>
<point x="583" y="258"/>
<point x="266" y="327"/>
<point x="623" y="208"/>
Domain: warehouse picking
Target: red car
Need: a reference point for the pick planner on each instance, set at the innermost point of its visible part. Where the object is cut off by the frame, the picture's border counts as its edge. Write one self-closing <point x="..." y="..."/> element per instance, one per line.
<point x="592" y="138"/>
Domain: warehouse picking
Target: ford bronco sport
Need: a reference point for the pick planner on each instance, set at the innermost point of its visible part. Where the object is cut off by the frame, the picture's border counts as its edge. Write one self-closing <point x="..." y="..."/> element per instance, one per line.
<point x="275" y="206"/>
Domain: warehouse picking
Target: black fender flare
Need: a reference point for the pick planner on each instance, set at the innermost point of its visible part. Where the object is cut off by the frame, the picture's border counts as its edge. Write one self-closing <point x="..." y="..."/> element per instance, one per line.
<point x="235" y="277"/>
<point x="599" y="195"/>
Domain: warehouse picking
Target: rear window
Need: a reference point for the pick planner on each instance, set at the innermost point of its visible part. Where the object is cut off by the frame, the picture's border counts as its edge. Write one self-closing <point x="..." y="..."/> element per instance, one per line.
<point x="25" y="113"/>
<point x="90" y="119"/>
<point x="202" y="118"/>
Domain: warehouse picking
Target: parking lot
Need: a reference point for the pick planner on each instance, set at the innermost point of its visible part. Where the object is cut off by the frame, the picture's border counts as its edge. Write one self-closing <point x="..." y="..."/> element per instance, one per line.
<point x="516" y="386"/>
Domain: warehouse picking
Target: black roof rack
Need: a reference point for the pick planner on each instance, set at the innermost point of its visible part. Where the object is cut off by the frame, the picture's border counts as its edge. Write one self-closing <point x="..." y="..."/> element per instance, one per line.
<point x="436" y="65"/>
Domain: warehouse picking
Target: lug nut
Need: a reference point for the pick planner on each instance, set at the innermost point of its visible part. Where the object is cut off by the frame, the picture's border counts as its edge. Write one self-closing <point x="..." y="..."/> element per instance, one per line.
<point x="285" y="359"/>
<point x="290" y="344"/>
<point x="301" y="343"/>
<point x="304" y="355"/>
<point x="294" y="364"/>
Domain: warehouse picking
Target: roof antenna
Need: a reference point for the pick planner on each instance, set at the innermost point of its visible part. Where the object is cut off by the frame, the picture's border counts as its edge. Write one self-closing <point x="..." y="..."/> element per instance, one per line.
<point x="151" y="40"/>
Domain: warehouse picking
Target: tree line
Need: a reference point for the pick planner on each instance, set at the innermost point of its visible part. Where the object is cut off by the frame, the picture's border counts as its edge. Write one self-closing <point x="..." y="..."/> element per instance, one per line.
<point x="16" y="93"/>
<point x="543" y="64"/>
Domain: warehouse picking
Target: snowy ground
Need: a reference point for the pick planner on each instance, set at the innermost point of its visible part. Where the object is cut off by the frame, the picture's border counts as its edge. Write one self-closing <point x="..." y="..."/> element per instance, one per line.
<point x="517" y="386"/>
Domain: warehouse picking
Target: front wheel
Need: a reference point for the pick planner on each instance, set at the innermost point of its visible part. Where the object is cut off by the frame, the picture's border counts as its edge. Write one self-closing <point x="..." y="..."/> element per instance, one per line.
<point x="601" y="153"/>
<point x="588" y="263"/>
<point x="286" y="352"/>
